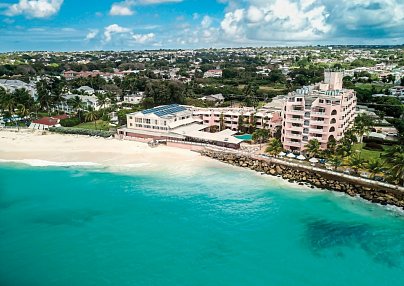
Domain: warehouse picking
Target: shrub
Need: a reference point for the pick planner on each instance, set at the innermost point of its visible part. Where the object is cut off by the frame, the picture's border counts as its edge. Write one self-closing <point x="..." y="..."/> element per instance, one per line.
<point x="81" y="131"/>
<point x="373" y="146"/>
<point x="69" y="122"/>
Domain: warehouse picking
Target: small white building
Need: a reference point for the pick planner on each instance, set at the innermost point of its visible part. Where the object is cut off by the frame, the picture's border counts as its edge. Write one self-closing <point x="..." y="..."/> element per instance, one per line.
<point x="134" y="98"/>
<point x="217" y="98"/>
<point x="89" y="102"/>
<point x="213" y="74"/>
<point x="86" y="89"/>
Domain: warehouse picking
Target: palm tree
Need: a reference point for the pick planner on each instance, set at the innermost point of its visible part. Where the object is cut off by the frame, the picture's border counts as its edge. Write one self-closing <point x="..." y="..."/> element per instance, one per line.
<point x="363" y="122"/>
<point x="101" y="99"/>
<point x="274" y="146"/>
<point x="374" y="166"/>
<point x="355" y="162"/>
<point x="76" y="104"/>
<point x="312" y="147"/>
<point x="394" y="157"/>
<point x="8" y="103"/>
<point x="92" y="116"/>
<point x="335" y="161"/>
<point x="44" y="95"/>
<point x="35" y="108"/>
<point x="260" y="135"/>
<point x="57" y="99"/>
<point x="331" y="145"/>
<point x="397" y="168"/>
<point x="221" y="122"/>
<point x="240" y="122"/>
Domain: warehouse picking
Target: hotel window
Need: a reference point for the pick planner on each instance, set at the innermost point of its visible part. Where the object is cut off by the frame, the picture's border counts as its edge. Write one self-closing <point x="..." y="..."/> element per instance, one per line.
<point x="130" y="117"/>
<point x="299" y="99"/>
<point x="130" y="124"/>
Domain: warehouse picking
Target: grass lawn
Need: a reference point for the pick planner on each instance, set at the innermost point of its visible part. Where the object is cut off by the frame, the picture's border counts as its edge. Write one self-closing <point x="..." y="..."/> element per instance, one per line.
<point x="378" y="86"/>
<point x="368" y="154"/>
<point x="101" y="125"/>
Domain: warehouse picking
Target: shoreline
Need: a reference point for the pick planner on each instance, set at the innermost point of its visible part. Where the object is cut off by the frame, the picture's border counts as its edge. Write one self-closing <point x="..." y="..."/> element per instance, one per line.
<point x="62" y="150"/>
<point x="371" y="191"/>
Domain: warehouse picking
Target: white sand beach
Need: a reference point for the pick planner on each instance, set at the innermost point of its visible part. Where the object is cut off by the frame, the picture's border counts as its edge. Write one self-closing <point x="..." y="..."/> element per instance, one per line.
<point x="50" y="149"/>
<point x="36" y="148"/>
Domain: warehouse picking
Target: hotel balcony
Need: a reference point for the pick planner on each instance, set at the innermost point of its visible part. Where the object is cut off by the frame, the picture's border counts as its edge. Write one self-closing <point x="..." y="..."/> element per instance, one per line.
<point x="319" y="114"/>
<point x="294" y="128"/>
<point x="319" y="139"/>
<point x="294" y="120"/>
<point x="293" y="135"/>
<point x="316" y="131"/>
<point x="293" y="144"/>
<point x="318" y="122"/>
<point x="295" y="112"/>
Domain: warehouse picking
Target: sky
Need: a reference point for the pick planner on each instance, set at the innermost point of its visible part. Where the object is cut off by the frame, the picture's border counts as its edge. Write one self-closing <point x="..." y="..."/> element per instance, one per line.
<point x="77" y="25"/>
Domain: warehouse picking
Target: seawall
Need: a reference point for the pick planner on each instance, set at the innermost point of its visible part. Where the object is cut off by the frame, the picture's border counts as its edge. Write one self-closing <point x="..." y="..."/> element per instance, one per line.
<point x="370" y="190"/>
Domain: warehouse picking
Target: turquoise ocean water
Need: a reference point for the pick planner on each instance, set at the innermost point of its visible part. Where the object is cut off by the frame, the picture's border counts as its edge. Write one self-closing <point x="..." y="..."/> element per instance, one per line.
<point x="218" y="226"/>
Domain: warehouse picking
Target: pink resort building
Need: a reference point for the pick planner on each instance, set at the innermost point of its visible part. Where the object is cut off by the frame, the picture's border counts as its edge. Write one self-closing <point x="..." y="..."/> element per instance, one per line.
<point x="322" y="111"/>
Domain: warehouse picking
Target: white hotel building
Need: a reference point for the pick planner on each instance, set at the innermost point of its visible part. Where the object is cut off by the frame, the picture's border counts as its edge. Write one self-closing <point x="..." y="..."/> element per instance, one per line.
<point x="175" y="122"/>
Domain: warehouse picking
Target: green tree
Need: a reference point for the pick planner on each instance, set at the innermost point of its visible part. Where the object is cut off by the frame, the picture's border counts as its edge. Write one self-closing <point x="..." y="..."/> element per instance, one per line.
<point x="102" y="100"/>
<point x="375" y="166"/>
<point x="260" y="136"/>
<point x="335" y="161"/>
<point x="92" y="115"/>
<point x="312" y="147"/>
<point x="394" y="157"/>
<point x="44" y="95"/>
<point x="355" y="162"/>
<point x="76" y="103"/>
<point x="221" y="122"/>
<point x="362" y="125"/>
<point x="344" y="146"/>
<point x="240" y="123"/>
<point x="274" y="146"/>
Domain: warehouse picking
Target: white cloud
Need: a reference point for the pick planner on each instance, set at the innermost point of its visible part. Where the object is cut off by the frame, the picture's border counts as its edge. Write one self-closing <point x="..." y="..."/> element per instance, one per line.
<point x="143" y="38"/>
<point x="276" y="20"/>
<point x="206" y="22"/>
<point x="114" y="29"/>
<point x="148" y="2"/>
<point x="299" y="21"/>
<point x="122" y="8"/>
<point x="34" y="8"/>
<point x="92" y="34"/>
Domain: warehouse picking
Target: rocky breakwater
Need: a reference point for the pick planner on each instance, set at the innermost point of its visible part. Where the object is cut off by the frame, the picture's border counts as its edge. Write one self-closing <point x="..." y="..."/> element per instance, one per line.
<point x="303" y="175"/>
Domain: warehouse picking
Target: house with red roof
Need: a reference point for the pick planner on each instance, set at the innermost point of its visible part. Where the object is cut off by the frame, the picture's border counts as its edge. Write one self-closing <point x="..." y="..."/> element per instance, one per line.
<point x="45" y="122"/>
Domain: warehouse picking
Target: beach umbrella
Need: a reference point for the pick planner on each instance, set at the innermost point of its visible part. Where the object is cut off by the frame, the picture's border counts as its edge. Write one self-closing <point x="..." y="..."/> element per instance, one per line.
<point x="313" y="160"/>
<point x="291" y="155"/>
<point x="282" y="154"/>
<point x="301" y="157"/>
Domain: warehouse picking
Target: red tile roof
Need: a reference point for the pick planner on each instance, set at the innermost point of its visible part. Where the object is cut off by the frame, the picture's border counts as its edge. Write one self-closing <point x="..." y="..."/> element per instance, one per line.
<point x="50" y="121"/>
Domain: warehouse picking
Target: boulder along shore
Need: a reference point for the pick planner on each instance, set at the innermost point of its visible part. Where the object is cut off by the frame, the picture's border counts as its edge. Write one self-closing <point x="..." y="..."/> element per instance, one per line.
<point x="353" y="186"/>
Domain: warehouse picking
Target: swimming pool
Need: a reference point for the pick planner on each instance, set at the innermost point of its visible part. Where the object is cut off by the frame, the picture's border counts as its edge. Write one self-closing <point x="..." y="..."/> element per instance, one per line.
<point x="244" y="137"/>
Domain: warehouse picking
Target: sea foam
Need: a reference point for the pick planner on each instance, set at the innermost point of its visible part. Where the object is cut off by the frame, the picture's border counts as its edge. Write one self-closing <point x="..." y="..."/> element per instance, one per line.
<point x="44" y="163"/>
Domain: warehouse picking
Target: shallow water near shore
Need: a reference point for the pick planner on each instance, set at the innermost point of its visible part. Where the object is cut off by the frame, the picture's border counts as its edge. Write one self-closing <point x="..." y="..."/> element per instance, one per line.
<point x="213" y="225"/>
